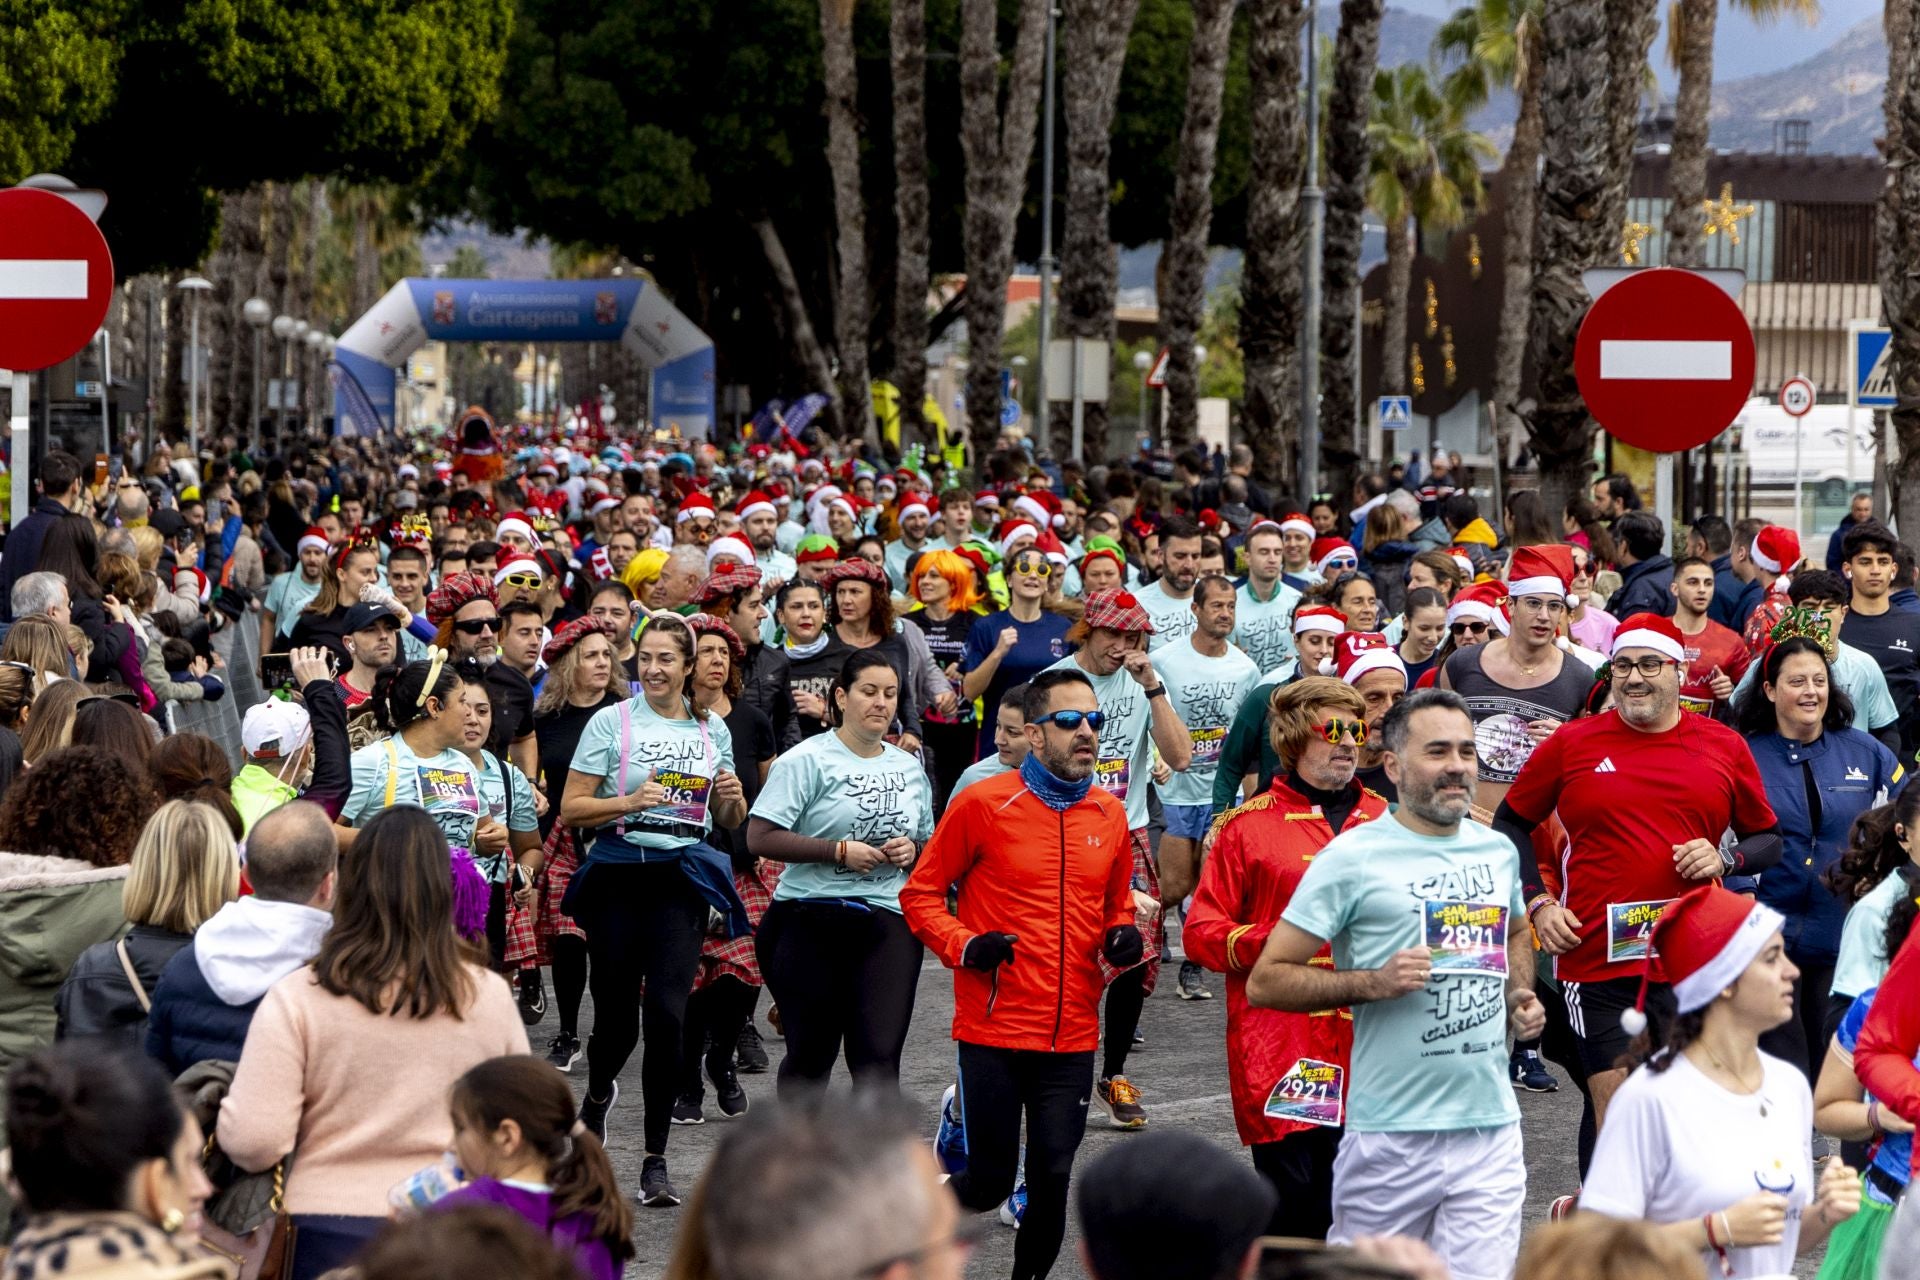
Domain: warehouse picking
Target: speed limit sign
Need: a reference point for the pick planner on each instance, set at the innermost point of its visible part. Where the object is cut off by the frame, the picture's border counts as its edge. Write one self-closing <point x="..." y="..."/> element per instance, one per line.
<point x="1797" y="396"/>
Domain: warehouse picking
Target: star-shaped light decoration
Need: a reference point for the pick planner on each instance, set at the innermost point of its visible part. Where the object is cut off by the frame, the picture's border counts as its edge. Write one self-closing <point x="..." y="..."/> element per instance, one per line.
<point x="1632" y="237"/>
<point x="1723" y="215"/>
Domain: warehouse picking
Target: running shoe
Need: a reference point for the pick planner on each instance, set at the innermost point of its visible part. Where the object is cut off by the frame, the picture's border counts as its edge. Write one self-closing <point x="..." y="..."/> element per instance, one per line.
<point x="1122" y="1101"/>
<point x="749" y="1051"/>
<point x="773" y="1020"/>
<point x="563" y="1051"/>
<point x="1563" y="1207"/>
<point x="656" y="1191"/>
<point x="1528" y="1072"/>
<point x="686" y="1110"/>
<point x="593" y="1112"/>
<point x="1014" y="1208"/>
<point x="1192" y="985"/>
<point x="950" y="1141"/>
<point x="1139" y="1037"/>
<point x="533" y="997"/>
<point x="727" y="1093"/>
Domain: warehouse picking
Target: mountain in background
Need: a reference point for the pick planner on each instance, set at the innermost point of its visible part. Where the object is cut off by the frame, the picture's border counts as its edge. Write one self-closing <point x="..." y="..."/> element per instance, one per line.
<point x="1837" y="91"/>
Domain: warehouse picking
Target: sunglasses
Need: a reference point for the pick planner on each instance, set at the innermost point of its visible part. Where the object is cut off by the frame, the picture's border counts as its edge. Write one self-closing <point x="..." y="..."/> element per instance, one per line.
<point x="1037" y="566"/>
<point x="1468" y="628"/>
<point x="1334" y="730"/>
<point x="531" y="581"/>
<point x="1343" y="566"/>
<point x="477" y="626"/>
<point x="1070" y="720"/>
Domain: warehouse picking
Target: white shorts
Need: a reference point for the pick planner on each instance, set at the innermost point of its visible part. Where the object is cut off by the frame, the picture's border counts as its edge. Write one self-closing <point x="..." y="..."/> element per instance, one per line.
<point x="1459" y="1191"/>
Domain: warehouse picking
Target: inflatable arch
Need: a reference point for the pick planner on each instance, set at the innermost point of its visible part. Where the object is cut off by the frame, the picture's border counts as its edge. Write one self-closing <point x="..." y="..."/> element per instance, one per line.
<point x="632" y="311"/>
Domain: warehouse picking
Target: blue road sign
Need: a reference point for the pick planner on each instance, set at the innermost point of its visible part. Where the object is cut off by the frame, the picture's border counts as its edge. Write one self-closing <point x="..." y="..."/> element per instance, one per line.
<point x="1009" y="413"/>
<point x="1394" y="412"/>
<point x="1872" y="371"/>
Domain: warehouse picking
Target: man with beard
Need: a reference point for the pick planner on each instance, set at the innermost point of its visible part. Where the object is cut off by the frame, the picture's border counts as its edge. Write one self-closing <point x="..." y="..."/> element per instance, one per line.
<point x="289" y="593"/>
<point x="1427" y="1091"/>
<point x="1266" y="603"/>
<point x="372" y="637"/>
<point x="760" y="523"/>
<point x="1028" y="968"/>
<point x="1644" y="792"/>
<point x="1169" y="600"/>
<point x="914" y="516"/>
<point x="1247" y="758"/>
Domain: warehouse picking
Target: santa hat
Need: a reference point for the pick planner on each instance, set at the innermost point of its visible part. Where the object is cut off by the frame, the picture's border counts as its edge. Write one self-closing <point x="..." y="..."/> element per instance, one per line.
<point x="522" y="565"/>
<point x="314" y="537"/>
<point x="516" y="522"/>
<point x="1700" y="945"/>
<point x="1650" y="631"/>
<point x="732" y="545"/>
<point x="987" y="498"/>
<point x="821" y="496"/>
<point x="191" y="580"/>
<point x="1262" y="525"/>
<point x="407" y="471"/>
<point x="1015" y="530"/>
<point x="886" y="484"/>
<point x="1042" y="507"/>
<point x="1297" y="523"/>
<point x="602" y="505"/>
<point x="914" y="504"/>
<point x="1542" y="571"/>
<point x="1357" y="652"/>
<point x="1320" y="617"/>
<point x="693" y="506"/>
<point x="754" y="504"/>
<point x="1776" y="549"/>
<point x="1460" y="557"/>
<point x="1481" y="601"/>
<point x="1326" y="549"/>
<point x="1048" y="545"/>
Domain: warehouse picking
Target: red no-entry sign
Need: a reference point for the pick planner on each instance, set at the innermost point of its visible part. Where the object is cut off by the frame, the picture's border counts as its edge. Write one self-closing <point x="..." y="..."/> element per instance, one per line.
<point x="1664" y="360"/>
<point x="56" y="277"/>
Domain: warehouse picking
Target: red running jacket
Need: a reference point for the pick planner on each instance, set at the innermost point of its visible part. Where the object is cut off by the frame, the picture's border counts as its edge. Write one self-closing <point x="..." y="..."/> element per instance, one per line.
<point x="1883" y="1058"/>
<point x="1055" y="880"/>
<point x="1257" y="856"/>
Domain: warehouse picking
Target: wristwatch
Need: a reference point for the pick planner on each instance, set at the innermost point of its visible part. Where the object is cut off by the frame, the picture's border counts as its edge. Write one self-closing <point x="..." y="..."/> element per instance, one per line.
<point x="1158" y="691"/>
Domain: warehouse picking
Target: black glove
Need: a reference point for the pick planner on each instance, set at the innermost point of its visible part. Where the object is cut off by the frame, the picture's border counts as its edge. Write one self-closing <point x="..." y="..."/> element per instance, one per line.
<point x="988" y="951"/>
<point x="1123" y="947"/>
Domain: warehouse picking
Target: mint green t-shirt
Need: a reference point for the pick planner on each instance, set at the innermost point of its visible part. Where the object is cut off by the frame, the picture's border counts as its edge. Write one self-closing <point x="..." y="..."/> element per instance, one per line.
<point x="822" y="789"/>
<point x="1206" y="693"/>
<point x="978" y="771"/>
<point x="445" y="784"/>
<point x="1173" y="620"/>
<point x="677" y="752"/>
<point x="508" y="798"/>
<point x="1435" y="1060"/>
<point x="1264" y="628"/>
<point x="1125" y="764"/>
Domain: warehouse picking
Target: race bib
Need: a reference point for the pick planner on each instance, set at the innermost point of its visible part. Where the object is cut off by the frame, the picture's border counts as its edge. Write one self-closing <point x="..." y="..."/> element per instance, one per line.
<point x="686" y="802"/>
<point x="1466" y="937"/>
<point x="1113" y="774"/>
<point x="1207" y="745"/>
<point x="452" y="789"/>
<point x="1629" y="927"/>
<point x="1311" y="1092"/>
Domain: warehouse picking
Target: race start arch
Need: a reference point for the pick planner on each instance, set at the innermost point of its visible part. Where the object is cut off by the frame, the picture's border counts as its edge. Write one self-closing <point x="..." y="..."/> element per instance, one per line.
<point x="632" y="311"/>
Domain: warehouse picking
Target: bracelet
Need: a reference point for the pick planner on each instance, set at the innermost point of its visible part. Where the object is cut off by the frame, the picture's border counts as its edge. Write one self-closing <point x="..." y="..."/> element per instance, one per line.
<point x="1717" y="1245"/>
<point x="840" y="853"/>
<point x="1873" y="1115"/>
<point x="1726" y="1229"/>
<point x="1539" y="900"/>
<point x="1706" y="1220"/>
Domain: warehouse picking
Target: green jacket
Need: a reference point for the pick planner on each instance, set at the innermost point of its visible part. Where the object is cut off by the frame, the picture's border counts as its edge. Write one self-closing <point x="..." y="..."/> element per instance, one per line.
<point x="1249" y="747"/>
<point x="257" y="793"/>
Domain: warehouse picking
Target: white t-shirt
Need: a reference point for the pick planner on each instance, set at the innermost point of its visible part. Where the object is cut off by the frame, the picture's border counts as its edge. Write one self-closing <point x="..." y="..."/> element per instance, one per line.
<point x="1677" y="1145"/>
<point x="1206" y="692"/>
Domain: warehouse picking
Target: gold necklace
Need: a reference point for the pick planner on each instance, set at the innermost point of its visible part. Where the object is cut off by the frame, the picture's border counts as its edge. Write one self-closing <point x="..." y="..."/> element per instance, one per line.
<point x="1754" y="1091"/>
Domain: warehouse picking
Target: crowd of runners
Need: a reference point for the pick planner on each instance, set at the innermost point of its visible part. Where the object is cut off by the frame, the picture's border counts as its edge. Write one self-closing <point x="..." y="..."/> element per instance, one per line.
<point x="326" y="776"/>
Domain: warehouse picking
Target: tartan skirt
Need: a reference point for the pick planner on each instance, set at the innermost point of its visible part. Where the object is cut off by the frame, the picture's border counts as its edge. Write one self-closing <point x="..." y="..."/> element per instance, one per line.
<point x="532" y="929"/>
<point x="734" y="957"/>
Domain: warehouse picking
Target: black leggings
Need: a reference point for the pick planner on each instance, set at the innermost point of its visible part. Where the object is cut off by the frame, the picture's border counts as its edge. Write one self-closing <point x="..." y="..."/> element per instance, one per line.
<point x="569" y="980"/>
<point x="842" y="973"/>
<point x="643" y="921"/>
<point x="715" y="1016"/>
<point x="1126" y="996"/>
<point x="949" y="752"/>
<point x="1300" y="1167"/>
<point x="1052" y="1089"/>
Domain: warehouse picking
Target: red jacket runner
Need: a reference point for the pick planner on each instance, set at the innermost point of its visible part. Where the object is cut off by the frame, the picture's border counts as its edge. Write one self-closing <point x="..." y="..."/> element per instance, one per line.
<point x="1258" y="854"/>
<point x="1055" y="880"/>
<point x="1883" y="1057"/>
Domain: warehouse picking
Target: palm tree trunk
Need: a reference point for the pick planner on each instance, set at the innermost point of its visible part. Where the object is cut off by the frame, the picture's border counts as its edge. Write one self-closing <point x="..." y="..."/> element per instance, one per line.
<point x="1271" y="280"/>
<point x="843" y="159"/>
<point x="1631" y="26"/>
<point x="1183" y="263"/>
<point x="1395" y="376"/>
<point x="997" y="147"/>
<point x="911" y="273"/>
<point x="1687" y="163"/>
<point x="1574" y="231"/>
<point x="807" y="352"/>
<point x="1519" y="179"/>
<point x="1096" y="48"/>
<point x="1355" y="52"/>
<point x="1900" y="247"/>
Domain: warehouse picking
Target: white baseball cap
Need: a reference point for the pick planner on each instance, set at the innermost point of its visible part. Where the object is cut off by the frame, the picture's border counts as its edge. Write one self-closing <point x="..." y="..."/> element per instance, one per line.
<point x="274" y="730"/>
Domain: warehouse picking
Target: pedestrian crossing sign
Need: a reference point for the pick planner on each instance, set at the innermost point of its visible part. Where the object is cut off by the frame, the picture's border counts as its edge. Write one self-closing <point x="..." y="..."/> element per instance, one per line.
<point x="1870" y="381"/>
<point x="1394" y="412"/>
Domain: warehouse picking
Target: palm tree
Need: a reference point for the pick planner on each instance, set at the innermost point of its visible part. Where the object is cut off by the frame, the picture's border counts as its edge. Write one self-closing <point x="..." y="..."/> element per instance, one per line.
<point x="842" y="84"/>
<point x="1183" y="284"/>
<point x="1631" y="26"/>
<point x="907" y="55"/>
<point x="1271" y="279"/>
<point x="1425" y="172"/>
<point x="1356" y="51"/>
<point x="997" y="146"/>
<point x="1499" y="44"/>
<point x="1898" y="231"/>
<point x="1690" y="25"/>
<point x="1096" y="48"/>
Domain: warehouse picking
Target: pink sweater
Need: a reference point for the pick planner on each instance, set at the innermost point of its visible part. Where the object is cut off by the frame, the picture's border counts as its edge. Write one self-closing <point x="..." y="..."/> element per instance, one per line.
<point x="360" y="1101"/>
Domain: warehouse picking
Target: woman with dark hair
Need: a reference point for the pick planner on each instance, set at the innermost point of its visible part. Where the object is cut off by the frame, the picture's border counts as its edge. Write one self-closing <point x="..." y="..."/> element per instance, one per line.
<point x="506" y="839"/>
<point x="849" y="813"/>
<point x="108" y="1166"/>
<point x="16" y="695"/>
<point x="863" y="619"/>
<point x="420" y="761"/>
<point x="1353" y="594"/>
<point x="812" y="650"/>
<point x="651" y="777"/>
<point x="71" y="551"/>
<point x="191" y="766"/>
<point x="1580" y="521"/>
<point x="1880" y="868"/>
<point x="103" y="720"/>
<point x="1527" y="524"/>
<point x="1436" y="570"/>
<point x="324" y="621"/>
<point x="1820" y="775"/>
<point x="349" y="1060"/>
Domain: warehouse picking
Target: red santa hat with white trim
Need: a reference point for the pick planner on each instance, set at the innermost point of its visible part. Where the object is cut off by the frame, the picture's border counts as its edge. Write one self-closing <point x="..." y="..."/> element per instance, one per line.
<point x="1776" y="549"/>
<point x="1327" y="549"/>
<point x="693" y="506"/>
<point x="732" y="545"/>
<point x="1297" y="523"/>
<point x="913" y="504"/>
<point x="1358" y="652"/>
<point x="314" y="537"/>
<point x="1013" y="532"/>
<point x="1480" y="602"/>
<point x="1542" y="571"/>
<point x="515" y="522"/>
<point x="1650" y="631"/>
<point x="754" y="504"/>
<point x="1319" y="617"/>
<point x="1040" y="506"/>
<point x="1700" y="945"/>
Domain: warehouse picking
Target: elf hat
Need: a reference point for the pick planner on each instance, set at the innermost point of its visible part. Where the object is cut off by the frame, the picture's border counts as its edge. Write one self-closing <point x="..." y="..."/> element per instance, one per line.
<point x="1701" y="944"/>
<point x="1776" y="549"/>
<point x="1650" y="631"/>
<point x="1358" y="652"/>
<point x="1542" y="571"/>
<point x="1320" y="617"/>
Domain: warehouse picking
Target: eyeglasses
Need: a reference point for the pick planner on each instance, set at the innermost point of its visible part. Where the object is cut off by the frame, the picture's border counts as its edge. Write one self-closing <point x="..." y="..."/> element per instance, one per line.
<point x="1334" y="730"/>
<point x="1070" y="720"/>
<point x="476" y="626"/>
<point x="1647" y="667"/>
<point x="1038" y="566"/>
<point x="1541" y="604"/>
<point x="531" y="581"/>
<point x="1468" y="628"/>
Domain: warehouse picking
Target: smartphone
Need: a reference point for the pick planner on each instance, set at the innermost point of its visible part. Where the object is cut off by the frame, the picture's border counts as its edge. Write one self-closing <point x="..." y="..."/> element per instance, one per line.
<point x="276" y="670"/>
<point x="517" y="878"/>
<point x="100" y="463"/>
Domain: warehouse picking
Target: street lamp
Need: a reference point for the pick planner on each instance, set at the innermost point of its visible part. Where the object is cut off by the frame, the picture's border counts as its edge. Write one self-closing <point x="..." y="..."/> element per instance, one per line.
<point x="258" y="313"/>
<point x="315" y="340"/>
<point x="1141" y="363"/>
<point x="283" y="326"/>
<point x="195" y="286"/>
